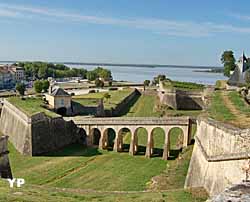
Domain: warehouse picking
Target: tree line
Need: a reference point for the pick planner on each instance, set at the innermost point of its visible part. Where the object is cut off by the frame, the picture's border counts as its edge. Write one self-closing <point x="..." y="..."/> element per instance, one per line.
<point x="43" y="70"/>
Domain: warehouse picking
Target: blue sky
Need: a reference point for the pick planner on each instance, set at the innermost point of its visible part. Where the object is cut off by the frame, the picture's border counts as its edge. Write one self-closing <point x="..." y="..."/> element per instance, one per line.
<point x="193" y="32"/>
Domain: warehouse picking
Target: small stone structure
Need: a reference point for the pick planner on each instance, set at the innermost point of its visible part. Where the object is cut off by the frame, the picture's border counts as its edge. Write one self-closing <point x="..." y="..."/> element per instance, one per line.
<point x="5" y="170"/>
<point x="59" y="100"/>
<point x="37" y="134"/>
<point x="220" y="152"/>
<point x="133" y="124"/>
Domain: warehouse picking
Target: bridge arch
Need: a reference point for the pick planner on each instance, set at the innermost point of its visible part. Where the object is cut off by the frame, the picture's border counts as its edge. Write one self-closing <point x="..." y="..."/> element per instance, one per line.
<point x="138" y="142"/>
<point x="95" y="134"/>
<point x="175" y="141"/>
<point x="158" y="136"/>
<point x="122" y="133"/>
<point x="108" y="138"/>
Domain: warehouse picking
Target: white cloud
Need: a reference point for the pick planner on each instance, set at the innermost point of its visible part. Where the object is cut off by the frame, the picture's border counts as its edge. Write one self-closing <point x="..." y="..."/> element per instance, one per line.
<point x="162" y="26"/>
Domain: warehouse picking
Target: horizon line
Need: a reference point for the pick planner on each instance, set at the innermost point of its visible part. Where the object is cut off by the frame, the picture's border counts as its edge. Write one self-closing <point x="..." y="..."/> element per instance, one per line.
<point x="115" y="64"/>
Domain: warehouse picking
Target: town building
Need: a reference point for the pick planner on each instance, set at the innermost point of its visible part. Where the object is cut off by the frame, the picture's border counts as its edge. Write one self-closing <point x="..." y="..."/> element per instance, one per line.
<point x="7" y="79"/>
<point x="18" y="72"/>
<point x="237" y="77"/>
<point x="59" y="100"/>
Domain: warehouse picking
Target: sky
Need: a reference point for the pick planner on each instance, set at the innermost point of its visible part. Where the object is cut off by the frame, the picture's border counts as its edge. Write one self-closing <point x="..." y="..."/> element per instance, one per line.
<point x="193" y="32"/>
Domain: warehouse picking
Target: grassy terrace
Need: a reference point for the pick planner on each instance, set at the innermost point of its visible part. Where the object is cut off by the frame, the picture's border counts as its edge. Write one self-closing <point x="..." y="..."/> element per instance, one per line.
<point x="183" y="85"/>
<point x="31" y="106"/>
<point x="116" y="98"/>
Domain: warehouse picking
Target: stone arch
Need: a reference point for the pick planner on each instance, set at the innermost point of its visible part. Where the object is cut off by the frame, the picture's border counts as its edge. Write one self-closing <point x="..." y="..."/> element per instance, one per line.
<point x="62" y="111"/>
<point x="158" y="138"/>
<point x="140" y="139"/>
<point x="109" y="136"/>
<point x="96" y="136"/>
<point x="175" y="141"/>
<point x="82" y="136"/>
<point x="120" y="144"/>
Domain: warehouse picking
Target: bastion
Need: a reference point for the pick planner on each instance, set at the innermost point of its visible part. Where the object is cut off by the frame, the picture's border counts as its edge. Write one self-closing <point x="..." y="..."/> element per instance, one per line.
<point x="38" y="133"/>
<point x="220" y="153"/>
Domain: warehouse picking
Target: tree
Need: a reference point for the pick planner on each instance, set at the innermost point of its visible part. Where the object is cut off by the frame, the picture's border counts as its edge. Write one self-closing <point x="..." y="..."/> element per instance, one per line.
<point x="107" y="96"/>
<point x="20" y="87"/>
<point x="99" y="83"/>
<point x="91" y="75"/>
<point x="38" y="86"/>
<point x="43" y="72"/>
<point x="45" y="85"/>
<point x="228" y="60"/>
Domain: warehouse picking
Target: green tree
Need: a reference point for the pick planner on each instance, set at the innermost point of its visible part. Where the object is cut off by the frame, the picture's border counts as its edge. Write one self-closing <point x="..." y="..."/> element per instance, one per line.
<point x="43" y="72"/>
<point x="45" y="85"/>
<point x="99" y="83"/>
<point x="228" y="60"/>
<point x="107" y="96"/>
<point x="38" y="86"/>
<point x="20" y="87"/>
<point x="91" y="75"/>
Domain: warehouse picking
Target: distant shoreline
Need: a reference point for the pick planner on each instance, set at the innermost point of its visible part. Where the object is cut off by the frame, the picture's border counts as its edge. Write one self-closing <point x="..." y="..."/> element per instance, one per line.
<point x="129" y="65"/>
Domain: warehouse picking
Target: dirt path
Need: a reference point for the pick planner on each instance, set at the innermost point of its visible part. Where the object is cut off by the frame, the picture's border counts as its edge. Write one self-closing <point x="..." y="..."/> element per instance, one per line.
<point x="241" y="120"/>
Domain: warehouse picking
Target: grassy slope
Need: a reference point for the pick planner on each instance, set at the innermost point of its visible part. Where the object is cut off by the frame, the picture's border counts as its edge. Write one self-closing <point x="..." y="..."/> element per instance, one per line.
<point x="218" y="110"/>
<point x="42" y="194"/>
<point x="239" y="103"/>
<point x="116" y="98"/>
<point x="31" y="106"/>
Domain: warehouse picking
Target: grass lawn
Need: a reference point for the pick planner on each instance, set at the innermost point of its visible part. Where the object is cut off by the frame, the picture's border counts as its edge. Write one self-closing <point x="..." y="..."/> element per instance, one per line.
<point x="144" y="107"/>
<point x="115" y="99"/>
<point x="31" y="106"/>
<point x="183" y="85"/>
<point x="218" y="110"/>
<point x="40" y="194"/>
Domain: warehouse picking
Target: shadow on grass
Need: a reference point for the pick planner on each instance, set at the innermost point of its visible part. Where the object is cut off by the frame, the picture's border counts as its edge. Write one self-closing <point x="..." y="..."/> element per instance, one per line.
<point x="74" y="150"/>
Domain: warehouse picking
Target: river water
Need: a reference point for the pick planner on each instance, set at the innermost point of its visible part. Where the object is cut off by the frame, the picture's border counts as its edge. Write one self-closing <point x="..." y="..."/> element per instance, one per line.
<point x="139" y="74"/>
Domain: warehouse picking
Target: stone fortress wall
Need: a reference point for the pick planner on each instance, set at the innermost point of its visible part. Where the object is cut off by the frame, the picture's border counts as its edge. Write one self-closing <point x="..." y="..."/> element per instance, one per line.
<point x="36" y="134"/>
<point x="219" y="154"/>
<point x="181" y="99"/>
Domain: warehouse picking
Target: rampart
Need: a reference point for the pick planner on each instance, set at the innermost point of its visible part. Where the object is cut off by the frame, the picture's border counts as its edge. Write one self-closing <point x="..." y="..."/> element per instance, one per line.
<point x="182" y="100"/>
<point x="36" y="134"/>
<point x="220" y="153"/>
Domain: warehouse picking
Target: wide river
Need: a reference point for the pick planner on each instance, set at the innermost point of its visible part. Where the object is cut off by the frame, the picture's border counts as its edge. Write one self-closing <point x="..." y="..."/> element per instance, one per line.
<point x="139" y="74"/>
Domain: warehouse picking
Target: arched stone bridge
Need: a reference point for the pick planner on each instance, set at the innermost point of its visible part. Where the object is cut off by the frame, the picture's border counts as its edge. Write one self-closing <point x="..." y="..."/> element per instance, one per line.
<point x="97" y="131"/>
